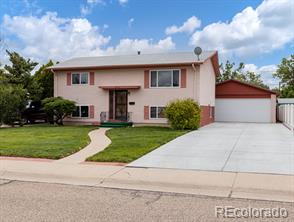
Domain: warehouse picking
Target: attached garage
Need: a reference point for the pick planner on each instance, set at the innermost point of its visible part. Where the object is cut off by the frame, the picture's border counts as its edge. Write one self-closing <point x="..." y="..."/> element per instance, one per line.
<point x="241" y="102"/>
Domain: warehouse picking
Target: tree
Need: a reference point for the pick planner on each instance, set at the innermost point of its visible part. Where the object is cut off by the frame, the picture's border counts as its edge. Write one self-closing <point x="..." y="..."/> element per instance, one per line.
<point x="19" y="72"/>
<point x="183" y="114"/>
<point x="255" y="79"/>
<point x="12" y="103"/>
<point x="287" y="92"/>
<point x="59" y="108"/>
<point x="2" y="75"/>
<point x="229" y="72"/>
<point x="44" y="77"/>
<point x="285" y="73"/>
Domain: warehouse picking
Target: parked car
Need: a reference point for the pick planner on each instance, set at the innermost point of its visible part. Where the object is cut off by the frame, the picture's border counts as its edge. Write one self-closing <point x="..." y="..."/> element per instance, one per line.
<point x="34" y="113"/>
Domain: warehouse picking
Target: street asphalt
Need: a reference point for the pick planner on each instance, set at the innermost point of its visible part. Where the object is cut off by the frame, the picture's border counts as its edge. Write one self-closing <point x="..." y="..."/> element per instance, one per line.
<point x="28" y="201"/>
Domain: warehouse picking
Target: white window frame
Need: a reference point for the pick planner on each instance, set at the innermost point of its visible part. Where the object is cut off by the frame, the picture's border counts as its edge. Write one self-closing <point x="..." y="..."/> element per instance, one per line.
<point x="172" y="80"/>
<point x="156" y="112"/>
<point x="80" y="117"/>
<point x="80" y="79"/>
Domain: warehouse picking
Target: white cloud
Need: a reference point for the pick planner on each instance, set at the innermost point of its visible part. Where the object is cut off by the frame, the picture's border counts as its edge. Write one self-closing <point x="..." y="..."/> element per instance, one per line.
<point x="252" y="31"/>
<point x="87" y="9"/>
<point x="188" y="26"/>
<point x="130" y="22"/>
<point x="93" y="1"/>
<point x="266" y="73"/>
<point x="123" y="2"/>
<point x="53" y="37"/>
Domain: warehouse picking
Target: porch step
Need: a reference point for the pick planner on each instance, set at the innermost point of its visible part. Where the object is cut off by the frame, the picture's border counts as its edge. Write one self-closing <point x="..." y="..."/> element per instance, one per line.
<point x="116" y="124"/>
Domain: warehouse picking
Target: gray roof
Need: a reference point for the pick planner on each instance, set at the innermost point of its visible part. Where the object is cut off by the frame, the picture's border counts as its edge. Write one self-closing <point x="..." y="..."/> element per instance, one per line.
<point x="142" y="59"/>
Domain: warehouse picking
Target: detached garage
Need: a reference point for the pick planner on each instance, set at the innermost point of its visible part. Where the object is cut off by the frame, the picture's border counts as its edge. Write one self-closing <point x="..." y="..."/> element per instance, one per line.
<point x="241" y="102"/>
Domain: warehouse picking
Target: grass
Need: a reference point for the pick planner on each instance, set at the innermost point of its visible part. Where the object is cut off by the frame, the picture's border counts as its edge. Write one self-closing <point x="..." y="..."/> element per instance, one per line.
<point x="43" y="141"/>
<point x="131" y="143"/>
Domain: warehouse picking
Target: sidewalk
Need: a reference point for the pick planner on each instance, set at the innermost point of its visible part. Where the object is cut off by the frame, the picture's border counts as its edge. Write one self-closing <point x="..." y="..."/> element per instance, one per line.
<point x="99" y="141"/>
<point x="221" y="184"/>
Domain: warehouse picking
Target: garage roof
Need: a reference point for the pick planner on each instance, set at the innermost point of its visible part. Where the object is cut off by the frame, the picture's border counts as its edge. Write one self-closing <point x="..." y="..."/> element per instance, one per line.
<point x="236" y="89"/>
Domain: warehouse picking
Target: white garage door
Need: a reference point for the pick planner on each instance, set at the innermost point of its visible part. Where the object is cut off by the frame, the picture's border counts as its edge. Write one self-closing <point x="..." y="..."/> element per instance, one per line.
<point x="243" y="110"/>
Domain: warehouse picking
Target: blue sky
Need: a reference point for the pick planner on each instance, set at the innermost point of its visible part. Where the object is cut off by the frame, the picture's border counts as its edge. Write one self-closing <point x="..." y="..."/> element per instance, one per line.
<point x="256" y="32"/>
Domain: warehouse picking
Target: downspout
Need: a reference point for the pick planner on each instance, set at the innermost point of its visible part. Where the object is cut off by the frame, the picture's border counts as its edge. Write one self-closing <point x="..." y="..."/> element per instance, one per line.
<point x="194" y="81"/>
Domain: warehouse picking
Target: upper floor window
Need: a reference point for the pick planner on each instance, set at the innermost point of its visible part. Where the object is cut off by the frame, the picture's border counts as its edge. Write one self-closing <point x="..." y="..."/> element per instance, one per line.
<point x="165" y="78"/>
<point x="80" y="78"/>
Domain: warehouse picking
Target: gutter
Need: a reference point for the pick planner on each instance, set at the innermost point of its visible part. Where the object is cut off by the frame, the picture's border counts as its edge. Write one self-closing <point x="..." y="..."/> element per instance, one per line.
<point x="122" y="66"/>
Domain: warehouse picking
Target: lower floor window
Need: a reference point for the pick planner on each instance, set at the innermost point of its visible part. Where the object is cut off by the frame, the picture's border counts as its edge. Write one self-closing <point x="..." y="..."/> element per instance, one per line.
<point x="81" y="111"/>
<point x="156" y="112"/>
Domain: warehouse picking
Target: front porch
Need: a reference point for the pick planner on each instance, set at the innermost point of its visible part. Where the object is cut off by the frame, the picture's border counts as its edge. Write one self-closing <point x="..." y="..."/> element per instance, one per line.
<point x="117" y="114"/>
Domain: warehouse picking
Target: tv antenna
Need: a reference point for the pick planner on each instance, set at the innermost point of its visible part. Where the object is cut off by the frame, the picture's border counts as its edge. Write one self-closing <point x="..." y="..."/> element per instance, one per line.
<point x="197" y="52"/>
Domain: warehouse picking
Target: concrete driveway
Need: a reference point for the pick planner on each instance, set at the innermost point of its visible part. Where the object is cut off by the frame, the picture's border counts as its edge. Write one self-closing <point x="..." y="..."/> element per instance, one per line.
<point x="235" y="147"/>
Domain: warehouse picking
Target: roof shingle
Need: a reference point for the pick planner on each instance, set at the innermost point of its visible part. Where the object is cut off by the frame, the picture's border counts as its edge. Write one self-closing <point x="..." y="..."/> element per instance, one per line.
<point x="133" y="60"/>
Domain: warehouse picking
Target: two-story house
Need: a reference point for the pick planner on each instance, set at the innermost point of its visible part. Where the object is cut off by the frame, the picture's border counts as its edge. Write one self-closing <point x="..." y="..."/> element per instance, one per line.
<point x="136" y="87"/>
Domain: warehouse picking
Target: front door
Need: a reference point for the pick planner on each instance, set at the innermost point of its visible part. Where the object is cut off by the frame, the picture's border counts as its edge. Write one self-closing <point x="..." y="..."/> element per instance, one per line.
<point x="118" y="105"/>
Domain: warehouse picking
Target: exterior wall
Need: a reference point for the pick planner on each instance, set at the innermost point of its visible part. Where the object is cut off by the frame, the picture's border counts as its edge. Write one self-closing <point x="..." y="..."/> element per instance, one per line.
<point x="99" y="98"/>
<point x="207" y="84"/>
<point x="207" y="115"/>
<point x="206" y="94"/>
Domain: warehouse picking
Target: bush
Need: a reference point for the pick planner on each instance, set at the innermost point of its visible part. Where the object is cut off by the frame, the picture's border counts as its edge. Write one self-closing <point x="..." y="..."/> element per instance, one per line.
<point x="183" y="114"/>
<point x="59" y="108"/>
<point x="12" y="103"/>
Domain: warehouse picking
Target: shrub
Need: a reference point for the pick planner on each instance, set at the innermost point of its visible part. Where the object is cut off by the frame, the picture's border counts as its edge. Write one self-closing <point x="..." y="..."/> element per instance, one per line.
<point x="59" y="108"/>
<point x="183" y="114"/>
<point x="12" y="103"/>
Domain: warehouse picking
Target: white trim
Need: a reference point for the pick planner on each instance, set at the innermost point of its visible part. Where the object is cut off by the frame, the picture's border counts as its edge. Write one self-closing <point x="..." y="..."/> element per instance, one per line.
<point x="164" y="87"/>
<point x="82" y="117"/>
<point x="80" y="84"/>
<point x="156" y="111"/>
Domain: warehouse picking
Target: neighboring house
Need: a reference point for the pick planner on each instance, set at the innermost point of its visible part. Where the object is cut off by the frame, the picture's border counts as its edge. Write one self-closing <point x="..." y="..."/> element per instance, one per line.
<point x="242" y="102"/>
<point x="136" y="87"/>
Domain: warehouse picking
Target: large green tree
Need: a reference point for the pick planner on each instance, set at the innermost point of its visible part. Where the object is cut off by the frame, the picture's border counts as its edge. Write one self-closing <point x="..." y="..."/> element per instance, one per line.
<point x="230" y="71"/>
<point x="19" y="72"/>
<point x="285" y="73"/>
<point x="44" y="77"/>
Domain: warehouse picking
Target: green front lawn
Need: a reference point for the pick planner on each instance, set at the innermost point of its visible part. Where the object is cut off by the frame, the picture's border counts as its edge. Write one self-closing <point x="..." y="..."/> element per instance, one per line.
<point x="131" y="143"/>
<point x="43" y="141"/>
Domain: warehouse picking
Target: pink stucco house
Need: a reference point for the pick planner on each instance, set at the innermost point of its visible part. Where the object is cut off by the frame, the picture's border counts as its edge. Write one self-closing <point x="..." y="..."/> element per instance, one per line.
<point x="136" y="87"/>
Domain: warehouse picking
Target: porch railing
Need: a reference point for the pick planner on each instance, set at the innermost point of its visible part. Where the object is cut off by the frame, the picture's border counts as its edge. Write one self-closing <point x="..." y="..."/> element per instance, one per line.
<point x="286" y="115"/>
<point x="104" y="117"/>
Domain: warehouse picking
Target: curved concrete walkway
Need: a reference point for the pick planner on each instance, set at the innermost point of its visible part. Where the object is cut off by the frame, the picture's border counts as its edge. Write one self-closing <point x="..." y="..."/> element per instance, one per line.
<point x="99" y="141"/>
